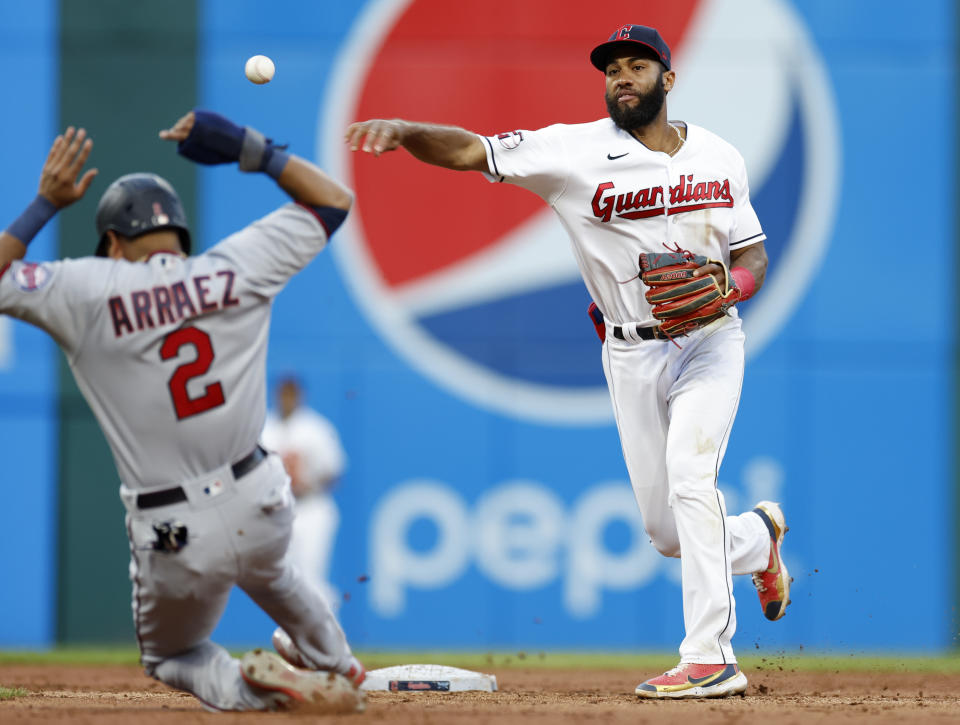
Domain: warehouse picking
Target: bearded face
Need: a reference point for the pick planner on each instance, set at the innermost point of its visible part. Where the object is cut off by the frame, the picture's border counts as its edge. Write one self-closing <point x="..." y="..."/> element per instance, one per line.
<point x="643" y="112"/>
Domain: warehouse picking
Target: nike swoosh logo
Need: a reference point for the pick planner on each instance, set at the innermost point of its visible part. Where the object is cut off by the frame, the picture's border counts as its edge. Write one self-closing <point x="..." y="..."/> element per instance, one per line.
<point x="715" y="676"/>
<point x="614" y="158"/>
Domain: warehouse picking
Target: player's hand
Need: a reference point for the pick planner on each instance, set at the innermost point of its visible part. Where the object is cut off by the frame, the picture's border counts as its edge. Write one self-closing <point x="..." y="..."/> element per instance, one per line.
<point x="715" y="269"/>
<point x="181" y="129"/>
<point x="375" y="136"/>
<point x="58" y="178"/>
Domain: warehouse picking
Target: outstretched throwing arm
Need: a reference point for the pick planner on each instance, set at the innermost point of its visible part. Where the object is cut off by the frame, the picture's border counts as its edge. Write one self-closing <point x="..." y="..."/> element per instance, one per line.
<point x="448" y="146"/>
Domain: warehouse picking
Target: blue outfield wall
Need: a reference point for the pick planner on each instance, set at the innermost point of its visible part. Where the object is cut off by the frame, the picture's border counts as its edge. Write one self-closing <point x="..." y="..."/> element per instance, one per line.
<point x="28" y="365"/>
<point x="486" y="503"/>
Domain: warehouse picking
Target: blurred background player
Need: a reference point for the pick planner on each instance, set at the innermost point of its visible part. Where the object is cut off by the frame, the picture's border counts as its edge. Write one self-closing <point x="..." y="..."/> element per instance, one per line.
<point x="314" y="459"/>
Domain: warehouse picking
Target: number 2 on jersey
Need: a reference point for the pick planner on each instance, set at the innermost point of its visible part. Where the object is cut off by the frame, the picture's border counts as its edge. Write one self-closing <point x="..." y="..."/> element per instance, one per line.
<point x="183" y="404"/>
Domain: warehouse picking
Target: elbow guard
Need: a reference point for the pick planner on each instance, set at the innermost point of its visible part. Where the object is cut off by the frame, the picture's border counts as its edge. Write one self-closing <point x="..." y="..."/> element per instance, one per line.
<point x="330" y="217"/>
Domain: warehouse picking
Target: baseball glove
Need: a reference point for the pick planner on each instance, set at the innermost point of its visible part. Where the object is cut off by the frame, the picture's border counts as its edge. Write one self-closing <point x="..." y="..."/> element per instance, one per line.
<point x="680" y="301"/>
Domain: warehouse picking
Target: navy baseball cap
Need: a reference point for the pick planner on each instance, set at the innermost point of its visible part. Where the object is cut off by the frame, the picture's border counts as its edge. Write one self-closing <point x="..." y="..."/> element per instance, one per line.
<point x="631" y="37"/>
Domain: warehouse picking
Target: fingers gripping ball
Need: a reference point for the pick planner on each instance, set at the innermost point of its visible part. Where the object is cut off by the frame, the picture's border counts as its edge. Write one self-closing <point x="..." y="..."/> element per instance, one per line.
<point x="681" y="301"/>
<point x="259" y="69"/>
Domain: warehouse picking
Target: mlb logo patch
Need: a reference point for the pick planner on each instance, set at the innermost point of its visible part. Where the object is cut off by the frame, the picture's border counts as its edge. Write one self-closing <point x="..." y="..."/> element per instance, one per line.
<point x="214" y="489"/>
<point x="31" y="276"/>
<point x="510" y="140"/>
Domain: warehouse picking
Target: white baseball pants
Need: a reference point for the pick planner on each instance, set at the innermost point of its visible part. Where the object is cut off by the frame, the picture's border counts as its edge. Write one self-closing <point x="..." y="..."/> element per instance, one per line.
<point x="674" y="409"/>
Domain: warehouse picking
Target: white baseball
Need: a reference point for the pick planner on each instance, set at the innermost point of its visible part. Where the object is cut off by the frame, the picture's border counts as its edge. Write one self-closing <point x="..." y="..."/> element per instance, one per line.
<point x="259" y="69"/>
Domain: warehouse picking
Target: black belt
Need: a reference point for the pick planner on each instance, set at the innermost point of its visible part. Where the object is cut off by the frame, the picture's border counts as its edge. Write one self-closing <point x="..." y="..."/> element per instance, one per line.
<point x="644" y="333"/>
<point x="176" y="494"/>
<point x="246" y="464"/>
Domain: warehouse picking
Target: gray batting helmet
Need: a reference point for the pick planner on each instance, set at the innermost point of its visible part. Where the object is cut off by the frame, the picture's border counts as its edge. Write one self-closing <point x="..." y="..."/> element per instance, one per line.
<point x="139" y="203"/>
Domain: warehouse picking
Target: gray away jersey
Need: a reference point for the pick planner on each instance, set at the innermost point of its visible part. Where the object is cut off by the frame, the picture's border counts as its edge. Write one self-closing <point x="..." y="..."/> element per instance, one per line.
<point x="170" y="353"/>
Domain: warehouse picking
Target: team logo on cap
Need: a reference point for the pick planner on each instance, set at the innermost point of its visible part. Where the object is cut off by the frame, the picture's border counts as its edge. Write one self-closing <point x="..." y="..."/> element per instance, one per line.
<point x="474" y="284"/>
<point x="624" y="34"/>
<point x="159" y="216"/>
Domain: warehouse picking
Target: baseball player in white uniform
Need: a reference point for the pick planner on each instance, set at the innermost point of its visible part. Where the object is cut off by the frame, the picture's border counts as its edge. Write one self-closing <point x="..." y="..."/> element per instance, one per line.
<point x="623" y="186"/>
<point x="313" y="457"/>
<point x="169" y="351"/>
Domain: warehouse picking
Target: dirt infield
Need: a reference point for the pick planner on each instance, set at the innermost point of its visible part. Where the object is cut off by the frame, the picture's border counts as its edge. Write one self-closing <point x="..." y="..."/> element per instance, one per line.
<point x="122" y="694"/>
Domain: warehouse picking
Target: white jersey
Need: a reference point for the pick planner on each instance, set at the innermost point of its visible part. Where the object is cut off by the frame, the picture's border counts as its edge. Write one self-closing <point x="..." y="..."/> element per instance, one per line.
<point x="310" y="442"/>
<point x="170" y="353"/>
<point x="617" y="199"/>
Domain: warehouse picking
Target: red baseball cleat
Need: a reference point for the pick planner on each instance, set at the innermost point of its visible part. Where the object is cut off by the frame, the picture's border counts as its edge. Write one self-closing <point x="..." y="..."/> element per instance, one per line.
<point x="773" y="583"/>
<point x="688" y="680"/>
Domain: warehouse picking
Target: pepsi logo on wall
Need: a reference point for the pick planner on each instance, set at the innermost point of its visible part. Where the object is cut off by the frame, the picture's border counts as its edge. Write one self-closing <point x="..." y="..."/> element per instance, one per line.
<point x="474" y="284"/>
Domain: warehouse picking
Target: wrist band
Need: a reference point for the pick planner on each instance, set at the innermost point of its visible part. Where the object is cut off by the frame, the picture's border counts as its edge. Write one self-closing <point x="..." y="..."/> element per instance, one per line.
<point x="258" y="153"/>
<point x="745" y="282"/>
<point x="275" y="161"/>
<point x="31" y="221"/>
<point x="215" y="139"/>
<point x="252" y="150"/>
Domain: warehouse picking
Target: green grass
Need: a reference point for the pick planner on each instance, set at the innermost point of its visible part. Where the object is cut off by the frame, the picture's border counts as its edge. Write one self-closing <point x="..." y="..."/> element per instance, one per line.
<point x="373" y="659"/>
<point x="800" y="661"/>
<point x="8" y="693"/>
<point x="73" y="656"/>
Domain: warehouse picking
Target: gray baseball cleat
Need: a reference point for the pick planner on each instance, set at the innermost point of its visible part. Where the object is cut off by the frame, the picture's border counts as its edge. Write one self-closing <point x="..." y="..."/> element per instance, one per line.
<point x="310" y="690"/>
